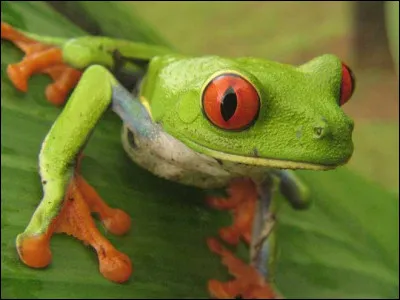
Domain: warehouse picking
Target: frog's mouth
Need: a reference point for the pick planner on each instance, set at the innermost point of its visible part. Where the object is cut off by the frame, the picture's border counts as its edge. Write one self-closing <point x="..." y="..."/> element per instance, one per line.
<point x="261" y="161"/>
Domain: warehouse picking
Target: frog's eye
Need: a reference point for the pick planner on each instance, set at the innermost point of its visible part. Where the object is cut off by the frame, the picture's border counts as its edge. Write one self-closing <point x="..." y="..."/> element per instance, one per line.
<point x="348" y="84"/>
<point x="231" y="102"/>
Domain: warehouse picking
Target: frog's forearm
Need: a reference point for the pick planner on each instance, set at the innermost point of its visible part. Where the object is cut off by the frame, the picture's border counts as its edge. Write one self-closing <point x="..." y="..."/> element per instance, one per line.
<point x="294" y="190"/>
<point x="65" y="140"/>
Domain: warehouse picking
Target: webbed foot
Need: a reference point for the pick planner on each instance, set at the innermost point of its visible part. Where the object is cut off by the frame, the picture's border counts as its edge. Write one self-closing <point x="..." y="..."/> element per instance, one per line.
<point x="75" y="219"/>
<point x="40" y="58"/>
<point x="242" y="203"/>
<point x="248" y="282"/>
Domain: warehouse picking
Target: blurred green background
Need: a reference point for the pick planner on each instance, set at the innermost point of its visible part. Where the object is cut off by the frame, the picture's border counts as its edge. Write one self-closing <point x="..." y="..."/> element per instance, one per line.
<point x="346" y="245"/>
<point x="294" y="32"/>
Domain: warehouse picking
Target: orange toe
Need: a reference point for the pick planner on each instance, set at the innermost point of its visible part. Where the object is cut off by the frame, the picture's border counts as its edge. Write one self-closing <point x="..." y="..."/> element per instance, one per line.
<point x="241" y="203"/>
<point x="224" y="290"/>
<point x="65" y="79"/>
<point x="230" y="235"/>
<point x="9" y="33"/>
<point x="215" y="246"/>
<point x="34" y="251"/>
<point x="248" y="283"/>
<point x="115" y="220"/>
<point x="114" y="265"/>
<point x="18" y="77"/>
<point x="75" y="219"/>
<point x="40" y="58"/>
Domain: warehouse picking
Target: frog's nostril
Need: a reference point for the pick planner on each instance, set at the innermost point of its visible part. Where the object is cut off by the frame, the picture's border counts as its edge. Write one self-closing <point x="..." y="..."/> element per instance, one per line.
<point x="319" y="132"/>
<point x="320" y="127"/>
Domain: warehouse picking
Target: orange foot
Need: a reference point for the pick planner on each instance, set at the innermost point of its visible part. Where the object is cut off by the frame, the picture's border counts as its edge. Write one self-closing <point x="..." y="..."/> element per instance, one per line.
<point x="40" y="58"/>
<point x="248" y="282"/>
<point x="242" y="203"/>
<point x="75" y="219"/>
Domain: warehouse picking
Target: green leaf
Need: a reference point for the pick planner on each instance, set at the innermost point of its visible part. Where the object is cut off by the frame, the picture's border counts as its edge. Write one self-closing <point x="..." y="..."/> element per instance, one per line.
<point x="346" y="245"/>
<point x="109" y="19"/>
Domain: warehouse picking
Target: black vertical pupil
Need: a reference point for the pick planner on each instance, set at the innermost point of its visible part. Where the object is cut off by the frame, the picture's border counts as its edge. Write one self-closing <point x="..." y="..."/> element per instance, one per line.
<point x="228" y="104"/>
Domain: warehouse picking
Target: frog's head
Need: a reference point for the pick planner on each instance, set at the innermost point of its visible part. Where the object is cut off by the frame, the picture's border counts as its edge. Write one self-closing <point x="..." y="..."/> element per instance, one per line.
<point x="254" y="111"/>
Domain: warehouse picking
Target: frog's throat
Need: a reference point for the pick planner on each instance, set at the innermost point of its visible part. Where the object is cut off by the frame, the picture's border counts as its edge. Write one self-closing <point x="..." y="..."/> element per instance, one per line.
<point x="260" y="161"/>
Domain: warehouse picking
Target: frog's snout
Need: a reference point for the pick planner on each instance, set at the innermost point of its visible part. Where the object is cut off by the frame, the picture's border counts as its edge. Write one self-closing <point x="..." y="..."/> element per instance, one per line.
<point x="321" y="128"/>
<point x="333" y="138"/>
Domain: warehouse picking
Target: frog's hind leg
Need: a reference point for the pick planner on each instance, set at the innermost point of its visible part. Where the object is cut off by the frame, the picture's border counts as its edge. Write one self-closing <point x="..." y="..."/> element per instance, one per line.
<point x="40" y="58"/>
<point x="248" y="282"/>
<point x="241" y="202"/>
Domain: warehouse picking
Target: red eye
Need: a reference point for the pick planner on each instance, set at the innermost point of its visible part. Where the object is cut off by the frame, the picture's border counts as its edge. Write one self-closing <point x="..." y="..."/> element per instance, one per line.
<point x="347" y="86"/>
<point x="231" y="102"/>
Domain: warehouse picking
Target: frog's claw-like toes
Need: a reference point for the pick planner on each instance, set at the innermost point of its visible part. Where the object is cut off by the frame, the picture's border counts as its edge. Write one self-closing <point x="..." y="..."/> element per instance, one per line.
<point x="241" y="202"/>
<point x="114" y="220"/>
<point x="75" y="219"/>
<point x="224" y="290"/>
<point x="40" y="58"/>
<point x="248" y="282"/>
<point x="64" y="78"/>
<point x="230" y="235"/>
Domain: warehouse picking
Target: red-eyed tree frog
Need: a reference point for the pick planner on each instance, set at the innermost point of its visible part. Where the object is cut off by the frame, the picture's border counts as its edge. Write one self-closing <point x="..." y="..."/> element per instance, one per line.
<point x="211" y="122"/>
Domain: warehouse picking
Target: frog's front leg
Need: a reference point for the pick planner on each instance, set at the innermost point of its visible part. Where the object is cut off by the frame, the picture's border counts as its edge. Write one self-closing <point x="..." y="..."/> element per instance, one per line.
<point x="68" y="199"/>
<point x="254" y="222"/>
<point x="40" y="58"/>
<point x="62" y="59"/>
<point x="293" y="189"/>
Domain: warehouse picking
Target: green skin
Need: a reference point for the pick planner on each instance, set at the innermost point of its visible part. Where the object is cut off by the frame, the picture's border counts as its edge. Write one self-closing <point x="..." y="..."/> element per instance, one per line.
<point x="300" y="124"/>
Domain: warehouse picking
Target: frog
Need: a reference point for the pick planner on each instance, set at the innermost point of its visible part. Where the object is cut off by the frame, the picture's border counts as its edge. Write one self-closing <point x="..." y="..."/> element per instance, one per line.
<point x="243" y="124"/>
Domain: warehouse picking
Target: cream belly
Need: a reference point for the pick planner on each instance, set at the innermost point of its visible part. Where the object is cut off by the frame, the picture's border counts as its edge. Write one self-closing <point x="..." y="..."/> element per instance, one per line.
<point x="167" y="157"/>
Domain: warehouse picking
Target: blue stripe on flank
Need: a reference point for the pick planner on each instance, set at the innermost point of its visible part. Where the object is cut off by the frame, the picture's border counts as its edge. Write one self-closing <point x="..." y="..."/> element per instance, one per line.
<point x="132" y="112"/>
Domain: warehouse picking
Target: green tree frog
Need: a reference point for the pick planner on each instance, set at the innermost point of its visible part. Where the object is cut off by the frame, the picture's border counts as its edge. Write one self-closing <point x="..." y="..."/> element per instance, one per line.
<point x="209" y="121"/>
